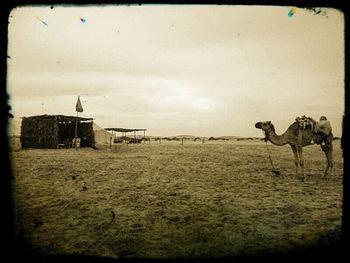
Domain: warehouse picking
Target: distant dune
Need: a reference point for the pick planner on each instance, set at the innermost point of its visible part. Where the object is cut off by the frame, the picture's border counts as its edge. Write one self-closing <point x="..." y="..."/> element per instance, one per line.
<point x="192" y="137"/>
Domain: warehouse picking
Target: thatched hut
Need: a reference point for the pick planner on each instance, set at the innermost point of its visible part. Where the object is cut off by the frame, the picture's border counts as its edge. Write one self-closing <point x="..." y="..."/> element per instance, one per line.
<point x="52" y="131"/>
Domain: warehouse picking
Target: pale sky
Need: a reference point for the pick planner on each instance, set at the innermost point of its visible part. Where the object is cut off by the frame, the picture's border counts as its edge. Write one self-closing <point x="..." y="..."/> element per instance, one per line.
<point x="177" y="69"/>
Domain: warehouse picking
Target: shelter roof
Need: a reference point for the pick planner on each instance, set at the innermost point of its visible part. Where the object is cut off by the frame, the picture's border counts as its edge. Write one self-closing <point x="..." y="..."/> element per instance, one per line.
<point x="59" y="117"/>
<point x="124" y="129"/>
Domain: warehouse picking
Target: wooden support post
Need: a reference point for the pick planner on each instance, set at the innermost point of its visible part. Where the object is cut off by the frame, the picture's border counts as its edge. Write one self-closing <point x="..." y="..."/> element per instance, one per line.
<point x="76" y="126"/>
<point x="76" y="132"/>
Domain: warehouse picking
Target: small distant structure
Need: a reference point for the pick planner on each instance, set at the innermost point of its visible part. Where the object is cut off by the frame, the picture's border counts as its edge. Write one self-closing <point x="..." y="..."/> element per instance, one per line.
<point x="124" y="131"/>
<point x="55" y="131"/>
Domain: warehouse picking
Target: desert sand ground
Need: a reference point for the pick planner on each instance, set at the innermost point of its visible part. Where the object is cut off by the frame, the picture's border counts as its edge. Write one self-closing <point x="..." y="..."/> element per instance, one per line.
<point x="213" y="199"/>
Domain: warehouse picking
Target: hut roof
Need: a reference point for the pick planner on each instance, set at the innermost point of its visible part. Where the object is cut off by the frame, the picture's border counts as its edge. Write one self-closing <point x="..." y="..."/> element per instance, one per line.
<point x="59" y="117"/>
<point x="124" y="129"/>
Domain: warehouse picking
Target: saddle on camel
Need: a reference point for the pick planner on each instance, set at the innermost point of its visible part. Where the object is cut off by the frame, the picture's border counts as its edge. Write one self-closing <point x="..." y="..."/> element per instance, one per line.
<point x="322" y="128"/>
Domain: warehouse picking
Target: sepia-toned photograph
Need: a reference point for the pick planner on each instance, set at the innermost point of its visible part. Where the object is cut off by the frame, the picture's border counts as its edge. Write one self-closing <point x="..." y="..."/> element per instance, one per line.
<point x="175" y="131"/>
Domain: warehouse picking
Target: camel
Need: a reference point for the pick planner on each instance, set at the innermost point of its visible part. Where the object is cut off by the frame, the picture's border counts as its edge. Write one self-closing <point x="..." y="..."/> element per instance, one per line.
<point x="298" y="138"/>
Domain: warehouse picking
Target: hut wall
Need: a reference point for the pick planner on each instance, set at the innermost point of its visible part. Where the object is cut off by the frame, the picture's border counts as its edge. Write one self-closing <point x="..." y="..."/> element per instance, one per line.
<point x="39" y="133"/>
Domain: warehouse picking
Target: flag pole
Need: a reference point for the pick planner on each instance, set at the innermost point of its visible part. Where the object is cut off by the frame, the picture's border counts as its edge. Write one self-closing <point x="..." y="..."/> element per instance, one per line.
<point x="78" y="108"/>
<point x="76" y="126"/>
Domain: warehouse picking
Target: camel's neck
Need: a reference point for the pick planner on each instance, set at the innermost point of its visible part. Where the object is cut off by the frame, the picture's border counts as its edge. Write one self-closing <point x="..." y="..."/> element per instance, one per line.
<point x="278" y="140"/>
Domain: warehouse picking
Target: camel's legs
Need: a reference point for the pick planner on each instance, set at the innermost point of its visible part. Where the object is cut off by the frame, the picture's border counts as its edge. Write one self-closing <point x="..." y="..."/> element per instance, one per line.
<point x="301" y="161"/>
<point x="296" y="158"/>
<point x="328" y="150"/>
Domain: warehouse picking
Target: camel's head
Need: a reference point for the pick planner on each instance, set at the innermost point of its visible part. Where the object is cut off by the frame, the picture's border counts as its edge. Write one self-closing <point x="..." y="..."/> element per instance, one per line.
<point x="266" y="126"/>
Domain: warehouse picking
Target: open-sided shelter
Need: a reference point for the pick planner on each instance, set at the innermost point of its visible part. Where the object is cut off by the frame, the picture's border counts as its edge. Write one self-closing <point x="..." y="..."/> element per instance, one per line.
<point x="124" y="131"/>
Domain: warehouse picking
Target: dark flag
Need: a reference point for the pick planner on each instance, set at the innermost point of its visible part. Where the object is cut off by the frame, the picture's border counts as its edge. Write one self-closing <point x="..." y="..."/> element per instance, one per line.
<point x="78" y="106"/>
